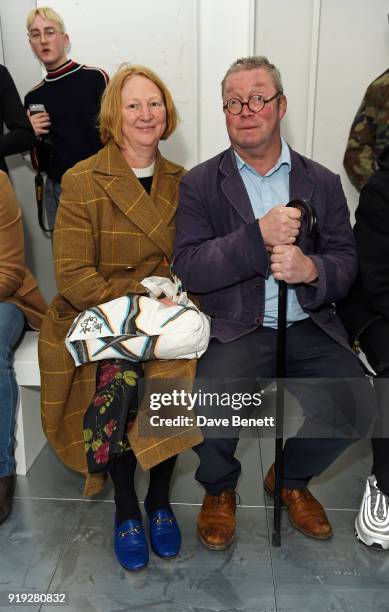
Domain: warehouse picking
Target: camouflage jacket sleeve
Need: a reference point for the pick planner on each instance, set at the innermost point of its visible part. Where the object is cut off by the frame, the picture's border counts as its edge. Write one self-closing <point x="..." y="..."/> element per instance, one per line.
<point x="369" y="133"/>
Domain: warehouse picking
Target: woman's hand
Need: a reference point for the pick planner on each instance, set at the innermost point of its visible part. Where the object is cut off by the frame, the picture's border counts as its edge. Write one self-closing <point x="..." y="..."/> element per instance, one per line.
<point x="167" y="301"/>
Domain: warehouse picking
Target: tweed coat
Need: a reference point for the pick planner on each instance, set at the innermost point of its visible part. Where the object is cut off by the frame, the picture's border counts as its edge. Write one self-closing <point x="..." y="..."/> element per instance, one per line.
<point x="109" y="235"/>
<point x="17" y="284"/>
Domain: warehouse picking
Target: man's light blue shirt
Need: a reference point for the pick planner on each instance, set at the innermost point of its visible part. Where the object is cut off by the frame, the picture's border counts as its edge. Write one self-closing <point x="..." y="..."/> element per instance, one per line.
<point x="265" y="192"/>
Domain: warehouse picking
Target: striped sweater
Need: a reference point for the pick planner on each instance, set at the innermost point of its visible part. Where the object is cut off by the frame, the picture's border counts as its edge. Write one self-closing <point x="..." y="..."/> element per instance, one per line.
<point x="71" y="95"/>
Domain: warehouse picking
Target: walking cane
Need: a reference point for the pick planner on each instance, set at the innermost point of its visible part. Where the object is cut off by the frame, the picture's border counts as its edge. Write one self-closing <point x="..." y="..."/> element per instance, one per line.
<point x="308" y="218"/>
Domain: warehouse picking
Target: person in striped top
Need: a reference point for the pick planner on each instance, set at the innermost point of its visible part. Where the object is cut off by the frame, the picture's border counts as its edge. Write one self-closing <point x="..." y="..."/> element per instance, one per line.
<point x="66" y="132"/>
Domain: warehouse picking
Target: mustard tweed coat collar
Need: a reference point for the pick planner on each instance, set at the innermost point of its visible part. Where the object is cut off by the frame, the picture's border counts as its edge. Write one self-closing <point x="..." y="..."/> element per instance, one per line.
<point x="122" y="186"/>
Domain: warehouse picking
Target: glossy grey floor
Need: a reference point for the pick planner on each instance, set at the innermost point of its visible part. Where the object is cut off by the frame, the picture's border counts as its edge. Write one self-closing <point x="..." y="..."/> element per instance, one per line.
<point x="57" y="542"/>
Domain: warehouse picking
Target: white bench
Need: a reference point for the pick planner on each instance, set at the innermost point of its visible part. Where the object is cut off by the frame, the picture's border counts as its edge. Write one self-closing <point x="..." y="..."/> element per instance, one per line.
<point x="29" y="435"/>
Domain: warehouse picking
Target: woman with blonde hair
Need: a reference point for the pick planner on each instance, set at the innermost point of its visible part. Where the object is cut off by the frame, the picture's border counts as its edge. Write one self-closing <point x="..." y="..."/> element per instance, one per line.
<point x="114" y="227"/>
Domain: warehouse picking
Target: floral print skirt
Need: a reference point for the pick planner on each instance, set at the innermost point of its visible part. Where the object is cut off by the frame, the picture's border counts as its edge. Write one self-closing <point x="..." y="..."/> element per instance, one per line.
<point x="112" y="412"/>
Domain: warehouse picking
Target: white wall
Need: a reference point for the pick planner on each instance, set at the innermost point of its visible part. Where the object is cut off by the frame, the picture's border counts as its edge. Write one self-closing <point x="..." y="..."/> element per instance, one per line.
<point x="328" y="51"/>
<point x="354" y="50"/>
<point x="187" y="42"/>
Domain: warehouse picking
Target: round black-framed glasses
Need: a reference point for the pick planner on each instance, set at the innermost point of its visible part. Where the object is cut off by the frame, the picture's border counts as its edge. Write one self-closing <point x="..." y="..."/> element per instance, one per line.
<point x="255" y="103"/>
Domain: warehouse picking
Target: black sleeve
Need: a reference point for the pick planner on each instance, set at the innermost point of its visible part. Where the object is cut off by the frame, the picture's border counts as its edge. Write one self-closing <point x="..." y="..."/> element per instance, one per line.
<point x="101" y="82"/>
<point x="21" y="135"/>
<point x="372" y="235"/>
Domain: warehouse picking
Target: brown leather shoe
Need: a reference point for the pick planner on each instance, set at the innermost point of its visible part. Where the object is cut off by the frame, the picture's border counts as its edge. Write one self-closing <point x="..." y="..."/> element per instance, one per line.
<point x="216" y="521"/>
<point x="305" y="512"/>
<point x="7" y="488"/>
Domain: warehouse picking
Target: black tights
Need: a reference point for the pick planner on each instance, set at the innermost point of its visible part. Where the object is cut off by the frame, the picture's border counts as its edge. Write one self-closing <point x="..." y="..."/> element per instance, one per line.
<point x="122" y="471"/>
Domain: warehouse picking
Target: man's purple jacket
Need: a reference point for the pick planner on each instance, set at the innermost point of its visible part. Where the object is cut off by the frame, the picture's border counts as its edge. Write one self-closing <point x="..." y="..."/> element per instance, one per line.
<point x="220" y="255"/>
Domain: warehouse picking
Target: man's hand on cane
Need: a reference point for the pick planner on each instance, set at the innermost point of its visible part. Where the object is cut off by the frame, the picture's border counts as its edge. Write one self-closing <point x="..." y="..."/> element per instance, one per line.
<point x="289" y="263"/>
<point x="281" y="225"/>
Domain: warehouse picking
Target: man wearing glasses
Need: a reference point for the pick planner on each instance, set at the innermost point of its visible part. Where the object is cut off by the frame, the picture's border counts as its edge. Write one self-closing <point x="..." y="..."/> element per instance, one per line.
<point x="235" y="240"/>
<point x="63" y="108"/>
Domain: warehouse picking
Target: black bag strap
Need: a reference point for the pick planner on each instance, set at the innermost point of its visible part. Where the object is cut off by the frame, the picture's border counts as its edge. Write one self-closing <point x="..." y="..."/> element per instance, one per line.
<point x="39" y="184"/>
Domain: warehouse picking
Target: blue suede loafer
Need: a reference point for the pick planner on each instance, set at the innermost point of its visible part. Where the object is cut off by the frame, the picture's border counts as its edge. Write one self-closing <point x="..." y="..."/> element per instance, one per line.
<point x="131" y="547"/>
<point x="165" y="535"/>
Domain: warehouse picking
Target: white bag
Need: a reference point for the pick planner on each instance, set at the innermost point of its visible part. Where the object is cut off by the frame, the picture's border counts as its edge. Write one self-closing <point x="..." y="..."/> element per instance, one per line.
<point x="140" y="328"/>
